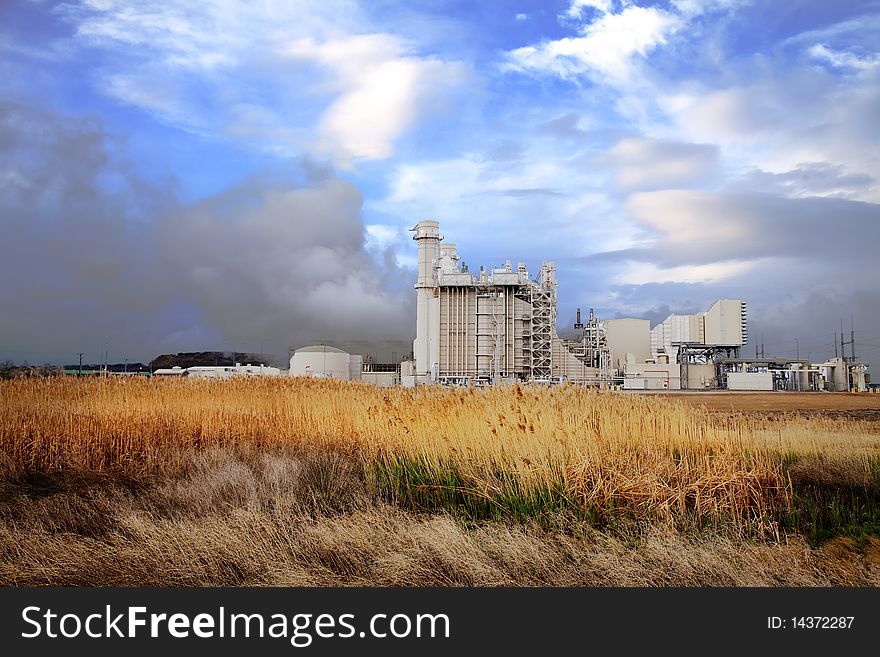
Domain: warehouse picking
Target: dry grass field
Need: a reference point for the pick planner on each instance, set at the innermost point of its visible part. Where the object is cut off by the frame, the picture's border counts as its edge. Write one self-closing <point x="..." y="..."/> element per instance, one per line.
<point x="317" y="482"/>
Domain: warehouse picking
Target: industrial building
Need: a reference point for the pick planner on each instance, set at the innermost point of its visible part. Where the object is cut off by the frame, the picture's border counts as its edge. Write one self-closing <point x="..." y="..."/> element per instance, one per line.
<point x="370" y="366"/>
<point x="724" y="325"/>
<point x="500" y="326"/>
<point x="219" y="371"/>
<point x="493" y="326"/>
<point x="326" y="362"/>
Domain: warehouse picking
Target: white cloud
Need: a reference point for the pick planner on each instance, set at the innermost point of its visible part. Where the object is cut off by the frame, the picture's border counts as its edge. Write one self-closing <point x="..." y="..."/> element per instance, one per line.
<point x="642" y="273"/>
<point x="778" y="120"/>
<point x="843" y="59"/>
<point x="698" y="7"/>
<point x="577" y="8"/>
<point x="382" y="90"/>
<point x="654" y="164"/>
<point x="720" y="114"/>
<point x="705" y="227"/>
<point x="845" y="31"/>
<point x="541" y="205"/>
<point x="288" y="76"/>
<point x="607" y="47"/>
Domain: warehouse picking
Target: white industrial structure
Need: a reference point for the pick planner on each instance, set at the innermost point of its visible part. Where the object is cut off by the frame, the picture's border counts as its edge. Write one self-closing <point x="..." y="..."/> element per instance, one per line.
<point x="724" y="324"/>
<point x="686" y="349"/>
<point x="498" y="325"/>
<point x="219" y="371"/>
<point x="327" y="362"/>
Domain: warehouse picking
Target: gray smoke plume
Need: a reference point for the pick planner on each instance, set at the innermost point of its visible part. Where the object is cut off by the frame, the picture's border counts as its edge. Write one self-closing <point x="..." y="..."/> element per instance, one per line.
<point x="96" y="258"/>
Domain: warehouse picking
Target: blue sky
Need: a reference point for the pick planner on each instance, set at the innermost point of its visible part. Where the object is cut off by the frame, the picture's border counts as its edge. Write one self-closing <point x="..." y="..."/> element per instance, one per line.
<point x="221" y="175"/>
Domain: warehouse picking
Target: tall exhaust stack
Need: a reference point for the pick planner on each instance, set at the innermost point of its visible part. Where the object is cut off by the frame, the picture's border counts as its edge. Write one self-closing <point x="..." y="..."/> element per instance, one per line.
<point x="426" y="346"/>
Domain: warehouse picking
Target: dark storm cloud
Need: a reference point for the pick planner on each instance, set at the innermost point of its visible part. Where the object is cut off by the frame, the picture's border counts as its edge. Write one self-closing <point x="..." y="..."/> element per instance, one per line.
<point x="281" y="263"/>
<point x="658" y="313"/>
<point x="97" y="258"/>
<point x="705" y="227"/>
<point x="807" y="324"/>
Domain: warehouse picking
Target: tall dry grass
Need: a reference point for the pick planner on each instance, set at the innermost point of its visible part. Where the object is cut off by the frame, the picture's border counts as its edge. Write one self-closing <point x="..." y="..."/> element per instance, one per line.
<point x="251" y="518"/>
<point x="297" y="481"/>
<point x="517" y="450"/>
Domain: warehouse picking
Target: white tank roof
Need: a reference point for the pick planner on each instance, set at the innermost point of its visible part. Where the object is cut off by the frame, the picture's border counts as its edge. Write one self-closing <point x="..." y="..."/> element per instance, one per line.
<point x="320" y="348"/>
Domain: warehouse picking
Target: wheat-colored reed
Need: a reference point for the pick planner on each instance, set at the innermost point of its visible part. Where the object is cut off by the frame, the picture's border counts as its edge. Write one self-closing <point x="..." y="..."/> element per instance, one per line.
<point x="596" y="450"/>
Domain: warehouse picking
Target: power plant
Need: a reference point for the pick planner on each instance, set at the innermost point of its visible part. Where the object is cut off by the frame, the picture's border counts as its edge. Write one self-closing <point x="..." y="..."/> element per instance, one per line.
<point x="499" y="326"/>
<point x="495" y="326"/>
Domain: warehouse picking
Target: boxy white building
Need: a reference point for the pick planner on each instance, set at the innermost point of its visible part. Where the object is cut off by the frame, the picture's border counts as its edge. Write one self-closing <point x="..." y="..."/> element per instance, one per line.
<point x="219" y="371"/>
<point x="724" y="324"/>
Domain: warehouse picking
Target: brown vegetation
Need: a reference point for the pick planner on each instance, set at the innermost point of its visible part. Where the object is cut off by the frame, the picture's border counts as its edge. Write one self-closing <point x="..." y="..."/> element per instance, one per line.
<point x="307" y="520"/>
<point x="296" y="481"/>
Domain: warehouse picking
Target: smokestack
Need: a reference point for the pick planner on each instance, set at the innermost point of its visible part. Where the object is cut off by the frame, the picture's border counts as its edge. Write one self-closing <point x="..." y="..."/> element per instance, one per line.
<point x="577" y="323"/>
<point x="426" y="346"/>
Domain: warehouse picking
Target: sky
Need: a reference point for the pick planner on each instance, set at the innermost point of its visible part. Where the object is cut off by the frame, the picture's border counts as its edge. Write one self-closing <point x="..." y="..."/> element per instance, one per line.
<point x="242" y="176"/>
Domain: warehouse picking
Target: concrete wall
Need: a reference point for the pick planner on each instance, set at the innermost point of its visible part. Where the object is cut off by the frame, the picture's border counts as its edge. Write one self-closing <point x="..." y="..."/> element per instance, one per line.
<point x="750" y="381"/>
<point x="655" y="377"/>
<point x="628" y="336"/>
<point x="355" y="366"/>
<point x="701" y="376"/>
<point x="382" y="379"/>
<point x="676" y="328"/>
<point x="723" y="322"/>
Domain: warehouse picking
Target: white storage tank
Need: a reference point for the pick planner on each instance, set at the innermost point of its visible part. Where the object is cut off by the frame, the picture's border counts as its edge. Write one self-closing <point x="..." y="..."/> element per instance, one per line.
<point x="325" y="361"/>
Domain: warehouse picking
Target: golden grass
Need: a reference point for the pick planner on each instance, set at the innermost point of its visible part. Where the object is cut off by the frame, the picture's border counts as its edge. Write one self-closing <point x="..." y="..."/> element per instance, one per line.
<point x="598" y="451"/>
<point x="260" y="519"/>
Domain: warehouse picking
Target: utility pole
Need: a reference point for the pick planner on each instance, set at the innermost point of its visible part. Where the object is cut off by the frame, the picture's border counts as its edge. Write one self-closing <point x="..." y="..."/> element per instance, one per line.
<point x="797" y="347"/>
<point x="80" y="364"/>
<point x="852" y="338"/>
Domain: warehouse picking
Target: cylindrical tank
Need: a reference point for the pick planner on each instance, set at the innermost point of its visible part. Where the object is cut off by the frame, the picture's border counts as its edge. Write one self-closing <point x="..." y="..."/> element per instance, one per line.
<point x="322" y="361"/>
